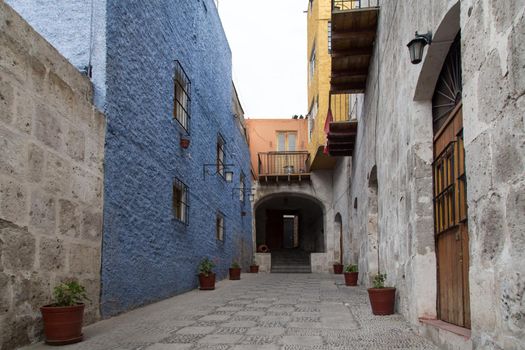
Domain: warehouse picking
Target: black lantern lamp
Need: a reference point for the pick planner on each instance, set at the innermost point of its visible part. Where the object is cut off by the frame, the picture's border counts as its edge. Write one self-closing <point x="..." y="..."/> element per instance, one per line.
<point x="227" y="174"/>
<point x="417" y="45"/>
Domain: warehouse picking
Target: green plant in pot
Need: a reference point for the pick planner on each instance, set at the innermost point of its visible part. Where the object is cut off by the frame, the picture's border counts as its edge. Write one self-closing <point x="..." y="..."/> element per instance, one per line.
<point x="235" y="271"/>
<point x="254" y="268"/>
<point x="338" y="268"/>
<point x="64" y="317"/>
<point x="351" y="275"/>
<point x="206" y="274"/>
<point x="382" y="299"/>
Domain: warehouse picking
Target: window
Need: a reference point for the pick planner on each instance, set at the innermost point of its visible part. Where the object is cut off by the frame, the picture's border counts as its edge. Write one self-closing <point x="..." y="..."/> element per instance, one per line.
<point x="182" y="88"/>
<point x="242" y="187"/>
<point x="219" y="227"/>
<point x="312" y="66"/>
<point x="314" y="109"/>
<point x="220" y="155"/>
<point x="286" y="141"/>
<point x="180" y="201"/>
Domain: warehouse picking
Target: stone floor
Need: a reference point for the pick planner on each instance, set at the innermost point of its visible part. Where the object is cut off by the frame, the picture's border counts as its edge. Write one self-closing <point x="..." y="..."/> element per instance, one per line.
<point x="264" y="311"/>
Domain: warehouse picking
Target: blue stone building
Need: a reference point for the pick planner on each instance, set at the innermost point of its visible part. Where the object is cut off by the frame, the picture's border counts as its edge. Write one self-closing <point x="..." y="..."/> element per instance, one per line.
<point x="152" y="184"/>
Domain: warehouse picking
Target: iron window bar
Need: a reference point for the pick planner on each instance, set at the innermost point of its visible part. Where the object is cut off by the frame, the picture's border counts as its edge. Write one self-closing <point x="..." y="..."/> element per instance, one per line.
<point x="182" y="92"/>
<point x="181" y="206"/>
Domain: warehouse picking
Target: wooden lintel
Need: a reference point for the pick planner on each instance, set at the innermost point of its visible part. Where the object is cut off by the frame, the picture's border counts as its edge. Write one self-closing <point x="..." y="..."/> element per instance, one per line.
<point x="358" y="51"/>
<point x="353" y="34"/>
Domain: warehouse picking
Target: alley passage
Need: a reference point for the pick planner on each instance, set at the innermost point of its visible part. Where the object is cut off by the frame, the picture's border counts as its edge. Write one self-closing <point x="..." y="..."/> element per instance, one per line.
<point x="265" y="311"/>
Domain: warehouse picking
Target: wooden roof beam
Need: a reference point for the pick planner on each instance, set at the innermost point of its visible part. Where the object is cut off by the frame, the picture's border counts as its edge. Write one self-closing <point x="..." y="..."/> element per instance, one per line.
<point x="355" y="52"/>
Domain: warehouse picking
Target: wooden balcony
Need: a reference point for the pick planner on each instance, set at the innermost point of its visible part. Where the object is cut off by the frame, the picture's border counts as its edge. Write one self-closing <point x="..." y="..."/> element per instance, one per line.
<point x="283" y="167"/>
<point x="352" y="36"/>
<point x="342" y="131"/>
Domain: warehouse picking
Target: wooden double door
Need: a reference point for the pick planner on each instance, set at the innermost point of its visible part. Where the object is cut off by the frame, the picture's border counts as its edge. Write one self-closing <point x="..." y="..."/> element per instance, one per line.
<point x="451" y="227"/>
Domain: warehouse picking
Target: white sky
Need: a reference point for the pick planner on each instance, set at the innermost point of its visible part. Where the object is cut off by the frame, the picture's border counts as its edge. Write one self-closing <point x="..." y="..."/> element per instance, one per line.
<point x="268" y="43"/>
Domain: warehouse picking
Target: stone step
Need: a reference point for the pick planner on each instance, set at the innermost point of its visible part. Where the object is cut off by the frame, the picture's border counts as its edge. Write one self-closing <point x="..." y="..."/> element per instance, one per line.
<point x="291" y="269"/>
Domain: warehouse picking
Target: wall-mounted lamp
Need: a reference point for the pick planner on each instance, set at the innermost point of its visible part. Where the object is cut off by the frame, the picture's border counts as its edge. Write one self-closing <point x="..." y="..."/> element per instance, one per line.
<point x="228" y="174"/>
<point x="250" y="190"/>
<point x="417" y="45"/>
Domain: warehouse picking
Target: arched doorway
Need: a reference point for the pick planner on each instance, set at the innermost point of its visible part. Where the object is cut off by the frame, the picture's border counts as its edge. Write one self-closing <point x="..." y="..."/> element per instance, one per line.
<point x="450" y="190"/>
<point x="338" y="230"/>
<point x="292" y="227"/>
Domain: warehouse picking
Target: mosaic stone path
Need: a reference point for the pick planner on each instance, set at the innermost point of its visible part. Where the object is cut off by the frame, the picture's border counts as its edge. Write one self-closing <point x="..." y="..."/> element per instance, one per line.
<point x="265" y="311"/>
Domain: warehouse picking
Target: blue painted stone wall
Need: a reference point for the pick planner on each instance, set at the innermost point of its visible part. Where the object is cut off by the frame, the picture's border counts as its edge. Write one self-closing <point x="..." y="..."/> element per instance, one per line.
<point x="76" y="29"/>
<point x="147" y="254"/>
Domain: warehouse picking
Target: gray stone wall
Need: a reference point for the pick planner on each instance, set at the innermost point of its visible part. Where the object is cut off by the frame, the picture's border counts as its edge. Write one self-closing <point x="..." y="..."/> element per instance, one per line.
<point x="395" y="135"/>
<point x="77" y="29"/>
<point x="493" y="45"/>
<point x="51" y="178"/>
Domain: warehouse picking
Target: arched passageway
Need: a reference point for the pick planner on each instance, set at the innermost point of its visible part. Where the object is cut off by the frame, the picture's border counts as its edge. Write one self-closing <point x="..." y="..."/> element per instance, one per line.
<point x="292" y="227"/>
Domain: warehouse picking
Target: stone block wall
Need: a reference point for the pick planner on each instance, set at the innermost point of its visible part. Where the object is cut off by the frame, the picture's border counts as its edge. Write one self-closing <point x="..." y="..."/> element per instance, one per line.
<point x="395" y="138"/>
<point x="51" y="178"/>
<point x="494" y="117"/>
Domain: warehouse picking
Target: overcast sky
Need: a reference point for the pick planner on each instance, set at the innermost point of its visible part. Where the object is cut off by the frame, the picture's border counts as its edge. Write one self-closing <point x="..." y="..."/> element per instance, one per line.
<point x="268" y="43"/>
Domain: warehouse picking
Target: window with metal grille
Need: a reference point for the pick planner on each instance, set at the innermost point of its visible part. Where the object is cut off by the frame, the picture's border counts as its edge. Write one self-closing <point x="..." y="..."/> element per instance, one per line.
<point x="180" y="201"/>
<point x="219" y="227"/>
<point x="220" y="155"/>
<point x="182" y="92"/>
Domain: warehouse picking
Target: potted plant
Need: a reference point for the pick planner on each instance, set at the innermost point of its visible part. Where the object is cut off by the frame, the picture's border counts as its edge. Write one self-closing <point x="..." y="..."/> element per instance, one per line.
<point x="351" y="275"/>
<point x="184" y="142"/>
<point x="63" y="318"/>
<point x="206" y="274"/>
<point x="235" y="271"/>
<point x="254" y="268"/>
<point x="382" y="299"/>
<point x="338" y="268"/>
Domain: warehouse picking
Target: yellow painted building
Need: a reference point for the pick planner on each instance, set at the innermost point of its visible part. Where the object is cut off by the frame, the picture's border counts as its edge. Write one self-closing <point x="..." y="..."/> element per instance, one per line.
<point x="319" y="74"/>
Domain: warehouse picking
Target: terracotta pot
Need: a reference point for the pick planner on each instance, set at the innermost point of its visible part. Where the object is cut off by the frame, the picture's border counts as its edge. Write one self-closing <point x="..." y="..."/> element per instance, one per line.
<point x="338" y="269"/>
<point x="184" y="143"/>
<point x="235" y="273"/>
<point x="351" y="278"/>
<point x="254" y="268"/>
<point x="382" y="300"/>
<point x="207" y="282"/>
<point x="62" y="325"/>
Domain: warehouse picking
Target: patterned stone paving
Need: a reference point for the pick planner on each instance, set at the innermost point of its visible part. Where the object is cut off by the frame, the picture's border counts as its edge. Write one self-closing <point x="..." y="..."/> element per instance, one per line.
<point x="265" y="311"/>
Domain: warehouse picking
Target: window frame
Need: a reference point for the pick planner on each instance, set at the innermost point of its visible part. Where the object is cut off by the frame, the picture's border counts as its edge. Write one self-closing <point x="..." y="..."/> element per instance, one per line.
<point x="219" y="226"/>
<point x="180" y="203"/>
<point x="181" y="97"/>
<point x="286" y="134"/>
<point x="220" y="155"/>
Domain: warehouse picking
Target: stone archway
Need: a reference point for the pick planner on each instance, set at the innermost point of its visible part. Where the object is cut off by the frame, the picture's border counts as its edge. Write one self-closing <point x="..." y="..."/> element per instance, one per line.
<point x="292" y="226"/>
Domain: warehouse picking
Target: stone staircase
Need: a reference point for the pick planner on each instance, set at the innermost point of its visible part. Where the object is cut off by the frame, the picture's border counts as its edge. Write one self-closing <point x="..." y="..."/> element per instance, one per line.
<point x="291" y="261"/>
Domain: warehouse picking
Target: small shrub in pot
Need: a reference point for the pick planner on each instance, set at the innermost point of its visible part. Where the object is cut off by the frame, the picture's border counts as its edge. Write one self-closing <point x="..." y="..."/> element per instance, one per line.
<point x="351" y="275"/>
<point x="235" y="271"/>
<point x="382" y="299"/>
<point x="206" y="274"/>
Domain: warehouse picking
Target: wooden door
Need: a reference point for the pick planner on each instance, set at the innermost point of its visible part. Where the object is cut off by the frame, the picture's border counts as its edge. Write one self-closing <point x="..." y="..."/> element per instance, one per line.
<point x="274" y="229"/>
<point x="450" y="215"/>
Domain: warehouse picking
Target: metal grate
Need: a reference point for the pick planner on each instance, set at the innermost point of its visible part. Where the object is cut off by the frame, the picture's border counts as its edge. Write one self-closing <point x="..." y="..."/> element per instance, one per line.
<point x="219" y="226"/>
<point x="220" y="155"/>
<point x="182" y="96"/>
<point x="284" y="163"/>
<point x="181" y="206"/>
<point x="345" y="5"/>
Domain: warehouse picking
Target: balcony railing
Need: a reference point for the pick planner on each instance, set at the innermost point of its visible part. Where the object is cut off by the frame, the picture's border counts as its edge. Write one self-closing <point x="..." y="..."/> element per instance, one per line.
<point x="343" y="107"/>
<point x="345" y="5"/>
<point x="284" y="163"/>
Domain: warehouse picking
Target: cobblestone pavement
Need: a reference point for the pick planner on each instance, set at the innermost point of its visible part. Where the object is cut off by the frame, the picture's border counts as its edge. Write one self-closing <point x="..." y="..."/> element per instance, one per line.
<point x="264" y="311"/>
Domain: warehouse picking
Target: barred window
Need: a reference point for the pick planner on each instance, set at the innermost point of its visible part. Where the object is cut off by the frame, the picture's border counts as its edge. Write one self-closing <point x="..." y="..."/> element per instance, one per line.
<point x="180" y="201"/>
<point x="182" y="89"/>
<point x="219" y="226"/>
<point x="220" y="155"/>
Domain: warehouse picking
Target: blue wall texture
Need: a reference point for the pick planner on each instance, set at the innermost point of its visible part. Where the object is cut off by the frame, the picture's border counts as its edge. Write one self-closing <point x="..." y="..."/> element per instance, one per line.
<point x="147" y="254"/>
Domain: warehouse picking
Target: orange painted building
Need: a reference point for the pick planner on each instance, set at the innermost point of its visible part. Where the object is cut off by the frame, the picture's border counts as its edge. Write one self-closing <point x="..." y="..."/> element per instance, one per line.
<point x="278" y="146"/>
